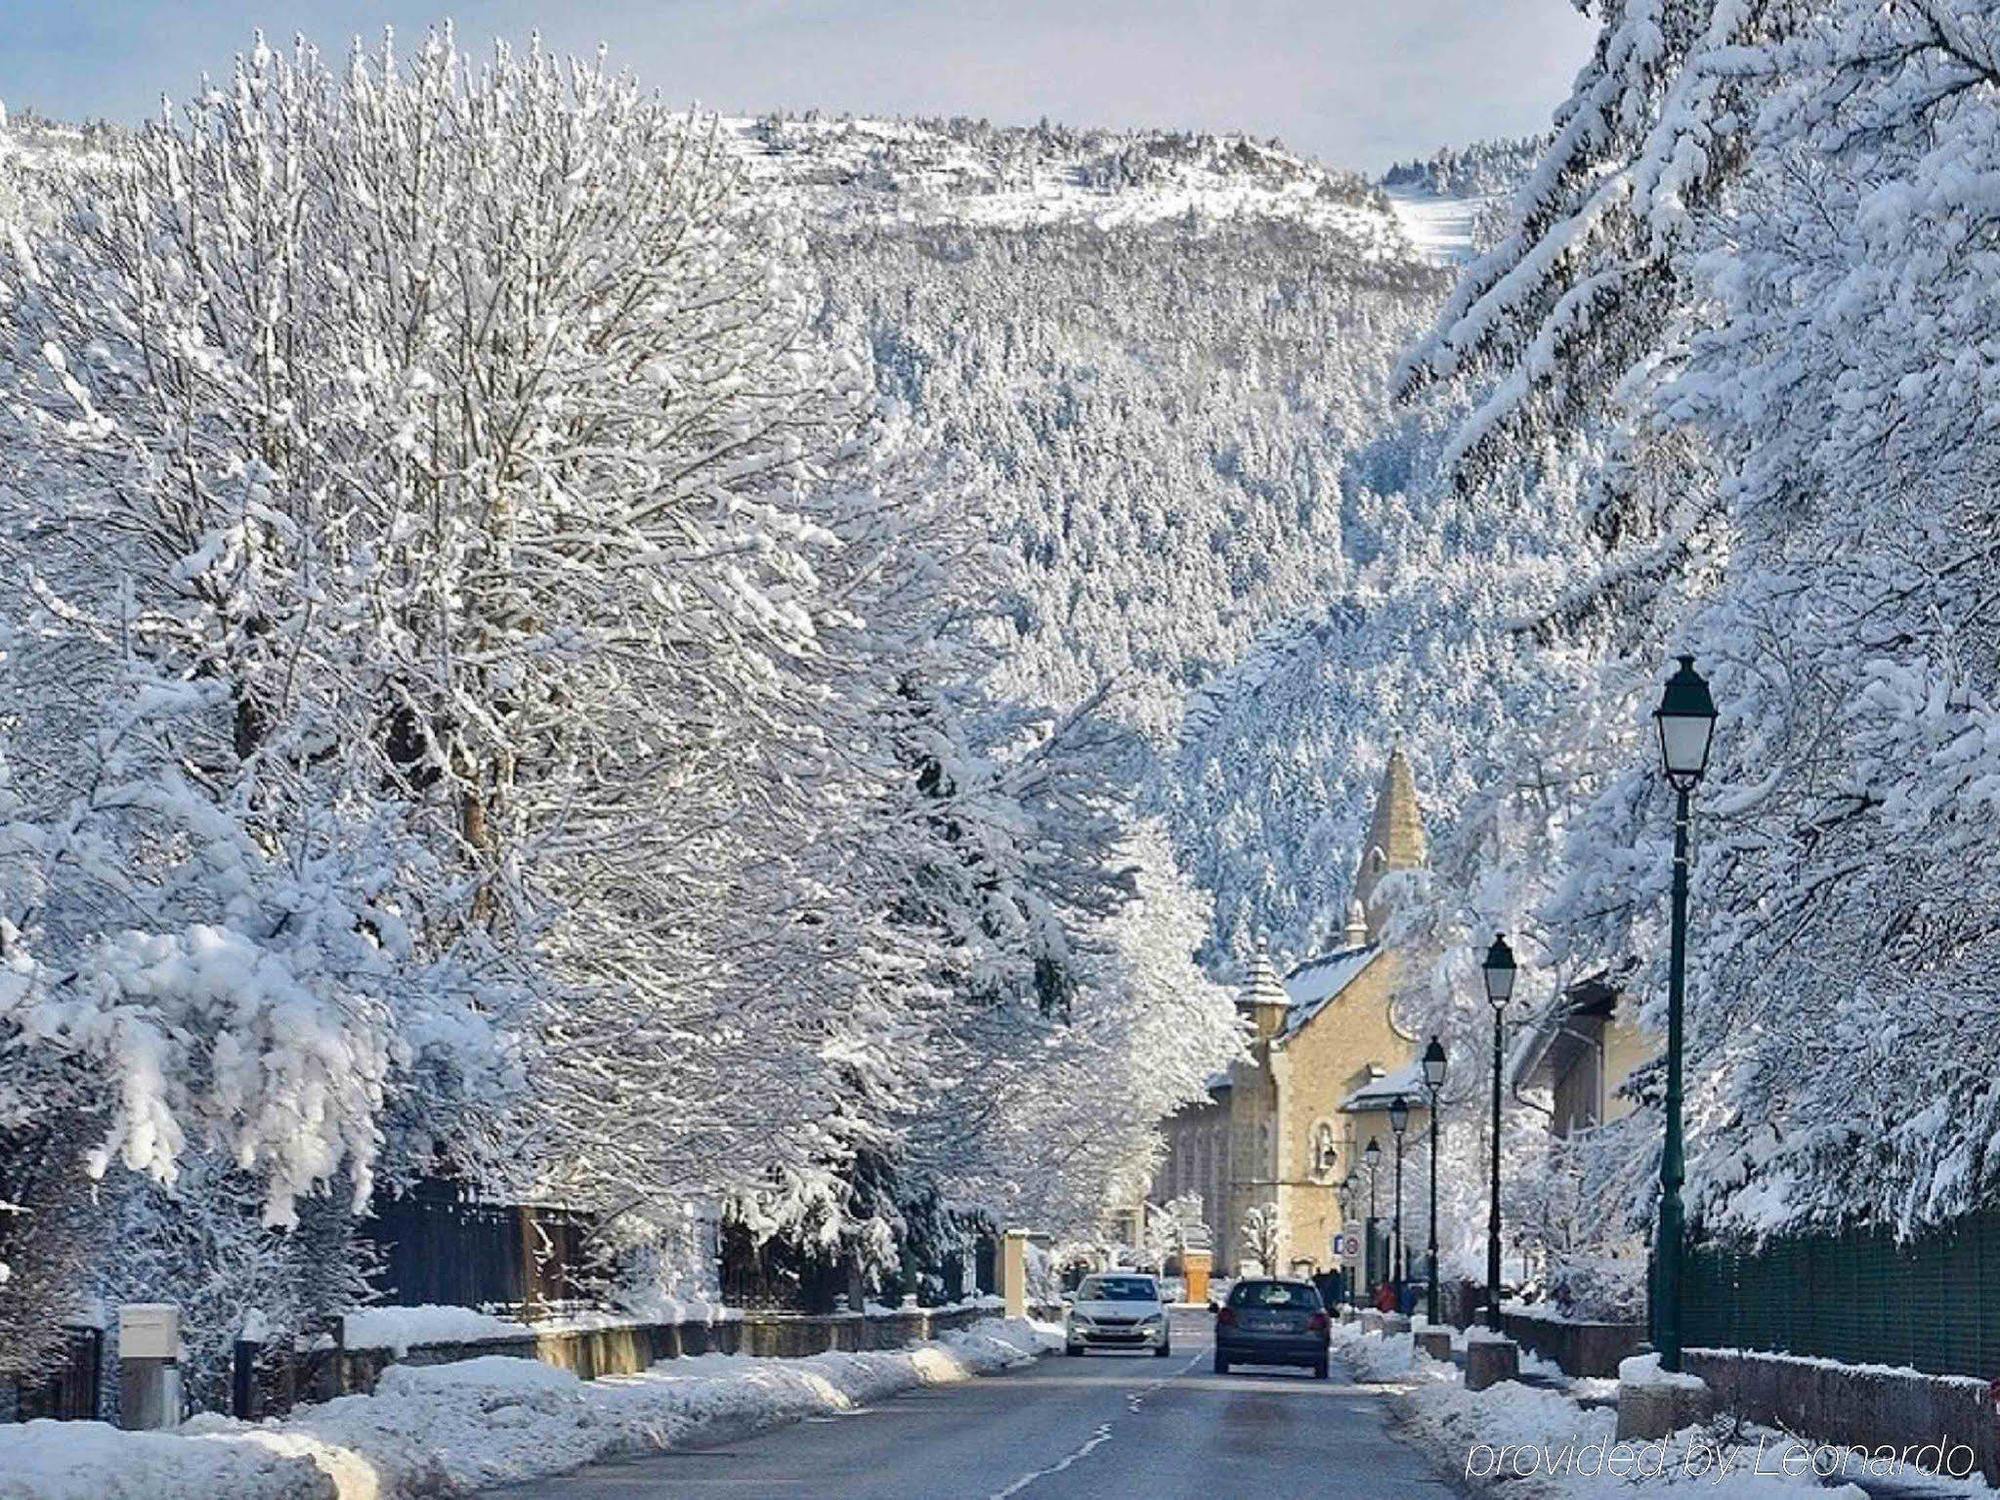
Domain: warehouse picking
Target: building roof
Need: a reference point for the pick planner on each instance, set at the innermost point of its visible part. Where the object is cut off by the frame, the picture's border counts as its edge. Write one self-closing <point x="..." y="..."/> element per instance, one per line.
<point x="1406" y="1082"/>
<point x="1547" y="1046"/>
<point x="1318" y="982"/>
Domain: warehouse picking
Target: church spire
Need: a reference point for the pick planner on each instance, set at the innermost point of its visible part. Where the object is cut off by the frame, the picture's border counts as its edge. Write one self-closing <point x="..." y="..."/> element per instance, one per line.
<point x="1395" y="839"/>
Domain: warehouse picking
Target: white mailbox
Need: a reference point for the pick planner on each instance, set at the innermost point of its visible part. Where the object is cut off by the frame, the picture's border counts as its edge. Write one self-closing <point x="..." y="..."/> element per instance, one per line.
<point x="149" y="1330"/>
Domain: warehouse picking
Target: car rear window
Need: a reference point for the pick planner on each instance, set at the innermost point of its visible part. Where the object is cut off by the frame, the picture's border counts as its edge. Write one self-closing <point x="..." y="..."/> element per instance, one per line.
<point x="1274" y="1294"/>
<point x="1117" y="1289"/>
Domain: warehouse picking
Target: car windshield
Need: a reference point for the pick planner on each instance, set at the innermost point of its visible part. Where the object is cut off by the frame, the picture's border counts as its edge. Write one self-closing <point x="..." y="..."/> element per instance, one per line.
<point x="1274" y="1294"/>
<point x="1117" y="1289"/>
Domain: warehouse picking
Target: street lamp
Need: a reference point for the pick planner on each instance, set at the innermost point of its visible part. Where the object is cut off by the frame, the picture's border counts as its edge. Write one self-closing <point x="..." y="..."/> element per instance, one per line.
<point x="1686" y="721"/>
<point x="1373" y="1156"/>
<point x="1399" y="1121"/>
<point x="1499" y="974"/>
<point x="1434" y="1064"/>
<point x="1324" y="1153"/>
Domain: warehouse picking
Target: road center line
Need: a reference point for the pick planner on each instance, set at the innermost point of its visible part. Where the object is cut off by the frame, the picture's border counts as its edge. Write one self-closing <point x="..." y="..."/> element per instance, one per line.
<point x="1133" y="1401"/>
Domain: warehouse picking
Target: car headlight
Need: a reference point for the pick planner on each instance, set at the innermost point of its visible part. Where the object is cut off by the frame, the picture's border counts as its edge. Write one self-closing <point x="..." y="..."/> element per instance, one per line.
<point x="1151" y="1318"/>
<point x="1077" y="1317"/>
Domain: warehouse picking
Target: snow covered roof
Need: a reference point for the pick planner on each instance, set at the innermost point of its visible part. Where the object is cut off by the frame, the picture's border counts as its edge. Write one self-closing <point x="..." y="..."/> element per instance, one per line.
<point x="1313" y="985"/>
<point x="1405" y="1082"/>
<point x="1546" y="1044"/>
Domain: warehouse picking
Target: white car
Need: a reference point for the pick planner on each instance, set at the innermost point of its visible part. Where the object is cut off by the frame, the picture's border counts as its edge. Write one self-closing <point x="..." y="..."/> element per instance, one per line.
<point x="1118" y="1310"/>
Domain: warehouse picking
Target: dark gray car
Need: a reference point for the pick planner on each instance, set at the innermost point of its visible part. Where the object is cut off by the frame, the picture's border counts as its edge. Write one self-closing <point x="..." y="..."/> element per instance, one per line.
<point x="1272" y="1322"/>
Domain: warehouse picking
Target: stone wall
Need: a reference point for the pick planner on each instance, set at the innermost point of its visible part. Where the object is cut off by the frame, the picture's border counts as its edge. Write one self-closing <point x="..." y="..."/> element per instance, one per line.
<point x="630" y="1348"/>
<point x="1580" y="1348"/>
<point x="1852" y="1405"/>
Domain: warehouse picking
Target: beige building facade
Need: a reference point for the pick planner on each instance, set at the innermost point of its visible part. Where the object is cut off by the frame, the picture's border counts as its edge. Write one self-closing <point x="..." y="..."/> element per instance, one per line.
<point x="1287" y="1125"/>
<point x="1580" y="1054"/>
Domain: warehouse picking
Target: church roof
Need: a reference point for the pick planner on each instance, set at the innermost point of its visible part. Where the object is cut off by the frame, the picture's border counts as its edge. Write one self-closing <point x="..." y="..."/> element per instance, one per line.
<point x="1315" y="984"/>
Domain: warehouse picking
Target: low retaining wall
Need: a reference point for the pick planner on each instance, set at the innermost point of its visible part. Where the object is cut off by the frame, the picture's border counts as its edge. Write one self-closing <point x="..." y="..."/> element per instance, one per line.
<point x="629" y="1348"/>
<point x="1866" y="1406"/>
<point x="1580" y="1348"/>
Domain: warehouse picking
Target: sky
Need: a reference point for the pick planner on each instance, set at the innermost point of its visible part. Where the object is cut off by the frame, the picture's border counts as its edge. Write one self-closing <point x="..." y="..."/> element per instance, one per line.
<point x="1357" y="83"/>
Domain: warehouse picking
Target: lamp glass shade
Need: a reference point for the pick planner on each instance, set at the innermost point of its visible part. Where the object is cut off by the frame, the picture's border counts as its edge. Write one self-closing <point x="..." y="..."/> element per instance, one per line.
<point x="1373" y="1153"/>
<point x="1434" y="1064"/>
<point x="1399" y="1114"/>
<point x="1499" y="971"/>
<point x="1686" y="721"/>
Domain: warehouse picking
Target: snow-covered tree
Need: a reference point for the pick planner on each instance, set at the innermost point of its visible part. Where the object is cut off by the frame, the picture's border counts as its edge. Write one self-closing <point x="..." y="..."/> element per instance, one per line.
<point x="1765" y="286"/>
<point x="1258" y="1236"/>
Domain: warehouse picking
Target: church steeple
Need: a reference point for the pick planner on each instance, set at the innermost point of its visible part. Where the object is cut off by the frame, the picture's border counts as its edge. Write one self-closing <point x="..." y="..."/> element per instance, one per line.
<point x="1395" y="839"/>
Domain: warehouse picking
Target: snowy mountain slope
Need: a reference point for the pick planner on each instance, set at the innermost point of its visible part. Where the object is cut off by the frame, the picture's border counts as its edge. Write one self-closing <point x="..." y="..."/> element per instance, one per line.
<point x="1452" y="204"/>
<point x="845" y="172"/>
<point x="1158" y="362"/>
<point x="1160" y="365"/>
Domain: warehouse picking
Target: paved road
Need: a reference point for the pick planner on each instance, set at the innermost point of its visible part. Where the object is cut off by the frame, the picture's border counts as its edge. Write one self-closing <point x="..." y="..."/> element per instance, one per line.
<point x="1108" y="1427"/>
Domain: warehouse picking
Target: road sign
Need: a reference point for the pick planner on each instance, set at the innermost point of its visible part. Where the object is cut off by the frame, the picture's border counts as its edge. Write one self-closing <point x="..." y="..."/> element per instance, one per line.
<point x="1347" y="1247"/>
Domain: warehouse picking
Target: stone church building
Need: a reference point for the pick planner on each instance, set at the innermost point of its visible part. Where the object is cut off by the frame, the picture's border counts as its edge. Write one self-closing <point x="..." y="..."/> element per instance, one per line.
<point x="1289" y="1124"/>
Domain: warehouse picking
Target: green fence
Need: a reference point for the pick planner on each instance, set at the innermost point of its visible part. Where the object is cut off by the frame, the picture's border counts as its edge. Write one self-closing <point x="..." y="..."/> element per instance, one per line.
<point x="1932" y="1303"/>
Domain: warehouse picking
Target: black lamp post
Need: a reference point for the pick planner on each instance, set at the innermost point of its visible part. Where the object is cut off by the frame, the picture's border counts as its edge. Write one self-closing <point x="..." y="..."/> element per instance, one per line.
<point x="1499" y="972"/>
<point x="1373" y="1156"/>
<point x="1686" y="721"/>
<point x="1434" y="1064"/>
<point x="1399" y="1122"/>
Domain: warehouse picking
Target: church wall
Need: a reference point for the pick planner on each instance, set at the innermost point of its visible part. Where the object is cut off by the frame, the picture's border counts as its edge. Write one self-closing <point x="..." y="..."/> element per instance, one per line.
<point x="1253" y="1145"/>
<point x="1197" y="1161"/>
<point x="1319" y="1067"/>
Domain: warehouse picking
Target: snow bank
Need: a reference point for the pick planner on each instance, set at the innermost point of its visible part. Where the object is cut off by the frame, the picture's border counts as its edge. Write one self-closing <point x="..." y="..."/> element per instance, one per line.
<point x="442" y="1430"/>
<point x="93" y="1461"/>
<point x="1531" y="1443"/>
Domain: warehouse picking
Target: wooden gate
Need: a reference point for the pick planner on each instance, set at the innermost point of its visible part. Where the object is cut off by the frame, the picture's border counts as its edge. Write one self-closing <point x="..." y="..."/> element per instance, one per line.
<point x="72" y="1389"/>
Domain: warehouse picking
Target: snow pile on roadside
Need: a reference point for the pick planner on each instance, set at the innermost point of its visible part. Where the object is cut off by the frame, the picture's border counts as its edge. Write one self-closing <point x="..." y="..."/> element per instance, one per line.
<point x="1531" y="1443"/>
<point x="442" y="1430"/>
<point x="1386" y="1359"/>
<point x="45" y="1460"/>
